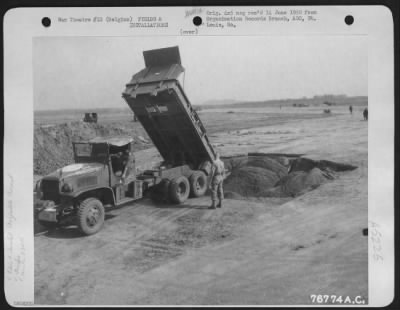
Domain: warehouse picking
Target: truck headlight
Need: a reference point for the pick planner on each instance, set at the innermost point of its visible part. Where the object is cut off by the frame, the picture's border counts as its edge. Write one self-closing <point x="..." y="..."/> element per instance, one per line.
<point x="66" y="188"/>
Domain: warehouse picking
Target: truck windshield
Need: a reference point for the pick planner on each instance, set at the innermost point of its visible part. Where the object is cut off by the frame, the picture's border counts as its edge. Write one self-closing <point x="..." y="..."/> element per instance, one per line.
<point x="86" y="152"/>
<point x="83" y="149"/>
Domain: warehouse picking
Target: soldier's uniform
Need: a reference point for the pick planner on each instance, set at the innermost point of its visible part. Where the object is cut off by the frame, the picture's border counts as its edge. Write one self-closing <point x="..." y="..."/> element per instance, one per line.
<point x="121" y="163"/>
<point x="365" y="113"/>
<point x="217" y="183"/>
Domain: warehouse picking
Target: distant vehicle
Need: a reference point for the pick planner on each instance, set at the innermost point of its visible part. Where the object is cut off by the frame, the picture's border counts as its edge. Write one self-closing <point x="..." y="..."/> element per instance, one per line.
<point x="90" y="118"/>
<point x="328" y="103"/>
<point x="104" y="172"/>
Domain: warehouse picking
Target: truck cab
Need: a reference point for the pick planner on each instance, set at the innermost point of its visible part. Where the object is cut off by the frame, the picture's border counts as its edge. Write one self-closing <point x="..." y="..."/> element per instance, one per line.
<point x="103" y="174"/>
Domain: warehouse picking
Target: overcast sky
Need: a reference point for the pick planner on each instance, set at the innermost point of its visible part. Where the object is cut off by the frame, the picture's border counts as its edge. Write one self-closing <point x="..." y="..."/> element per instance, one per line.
<point x="91" y="72"/>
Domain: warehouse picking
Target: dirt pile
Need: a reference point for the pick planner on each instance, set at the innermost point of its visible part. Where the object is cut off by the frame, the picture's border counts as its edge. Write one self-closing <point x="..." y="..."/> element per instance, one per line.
<point x="53" y="143"/>
<point x="277" y="176"/>
<point x="251" y="176"/>
<point x="251" y="181"/>
<point x="300" y="182"/>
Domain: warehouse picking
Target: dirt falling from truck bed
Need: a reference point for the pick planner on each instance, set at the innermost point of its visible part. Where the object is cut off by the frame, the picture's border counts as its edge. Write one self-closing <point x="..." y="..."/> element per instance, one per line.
<point x="277" y="175"/>
<point x="53" y="143"/>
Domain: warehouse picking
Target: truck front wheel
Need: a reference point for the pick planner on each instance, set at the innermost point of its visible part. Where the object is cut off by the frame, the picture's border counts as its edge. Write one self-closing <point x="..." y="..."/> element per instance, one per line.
<point x="198" y="183"/>
<point x="90" y="216"/>
<point x="179" y="189"/>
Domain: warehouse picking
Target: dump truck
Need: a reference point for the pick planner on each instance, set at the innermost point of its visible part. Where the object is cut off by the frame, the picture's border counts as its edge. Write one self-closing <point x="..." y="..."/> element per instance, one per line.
<point x="160" y="104"/>
<point x="104" y="174"/>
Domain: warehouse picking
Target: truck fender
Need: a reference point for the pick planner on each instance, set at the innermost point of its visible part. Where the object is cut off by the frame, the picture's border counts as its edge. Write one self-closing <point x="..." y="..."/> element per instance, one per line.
<point x="206" y="166"/>
<point x="107" y="194"/>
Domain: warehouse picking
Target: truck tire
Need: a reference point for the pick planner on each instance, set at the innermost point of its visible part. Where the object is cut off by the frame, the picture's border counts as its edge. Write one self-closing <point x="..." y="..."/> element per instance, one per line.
<point x="198" y="184"/>
<point x="90" y="216"/>
<point x="179" y="189"/>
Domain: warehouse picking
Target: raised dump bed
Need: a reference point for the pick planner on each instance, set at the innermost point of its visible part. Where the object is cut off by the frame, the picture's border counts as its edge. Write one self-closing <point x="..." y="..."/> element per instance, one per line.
<point x="158" y="100"/>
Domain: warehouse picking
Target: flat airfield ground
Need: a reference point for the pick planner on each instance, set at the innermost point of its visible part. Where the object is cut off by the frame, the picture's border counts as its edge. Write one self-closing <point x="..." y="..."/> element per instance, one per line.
<point x="258" y="252"/>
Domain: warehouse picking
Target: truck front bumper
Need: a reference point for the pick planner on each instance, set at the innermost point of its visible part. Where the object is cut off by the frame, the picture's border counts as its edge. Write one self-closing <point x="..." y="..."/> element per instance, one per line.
<point x="48" y="215"/>
<point x="51" y="212"/>
<point x="48" y="212"/>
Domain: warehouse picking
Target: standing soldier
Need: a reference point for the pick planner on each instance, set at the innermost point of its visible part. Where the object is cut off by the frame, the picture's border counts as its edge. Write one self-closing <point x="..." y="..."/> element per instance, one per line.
<point x="351" y="109"/>
<point x="218" y="175"/>
<point x="365" y="113"/>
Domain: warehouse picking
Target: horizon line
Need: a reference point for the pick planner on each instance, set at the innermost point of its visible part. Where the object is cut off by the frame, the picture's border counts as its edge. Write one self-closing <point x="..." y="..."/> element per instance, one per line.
<point x="234" y="101"/>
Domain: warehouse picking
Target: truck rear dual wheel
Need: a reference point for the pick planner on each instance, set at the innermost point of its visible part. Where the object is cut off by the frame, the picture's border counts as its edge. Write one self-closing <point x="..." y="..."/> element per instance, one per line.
<point x="198" y="184"/>
<point x="91" y="216"/>
<point x="179" y="189"/>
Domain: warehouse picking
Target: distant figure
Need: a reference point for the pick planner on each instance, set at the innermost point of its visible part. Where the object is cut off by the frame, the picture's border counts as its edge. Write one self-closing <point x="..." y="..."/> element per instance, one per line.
<point x="217" y="179"/>
<point x="365" y="113"/>
<point x="351" y="109"/>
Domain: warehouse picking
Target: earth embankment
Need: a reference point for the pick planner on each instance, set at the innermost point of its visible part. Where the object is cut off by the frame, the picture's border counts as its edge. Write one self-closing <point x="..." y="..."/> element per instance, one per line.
<point x="53" y="143"/>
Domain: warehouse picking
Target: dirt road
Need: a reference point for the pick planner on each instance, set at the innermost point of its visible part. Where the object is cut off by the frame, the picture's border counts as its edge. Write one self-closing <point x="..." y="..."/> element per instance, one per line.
<point x="270" y="251"/>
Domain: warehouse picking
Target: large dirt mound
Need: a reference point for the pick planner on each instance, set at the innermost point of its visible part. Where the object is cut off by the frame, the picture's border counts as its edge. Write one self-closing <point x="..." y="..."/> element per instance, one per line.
<point x="53" y="143"/>
<point x="277" y="176"/>
<point x="274" y="165"/>
<point x="250" y="181"/>
<point x="300" y="182"/>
